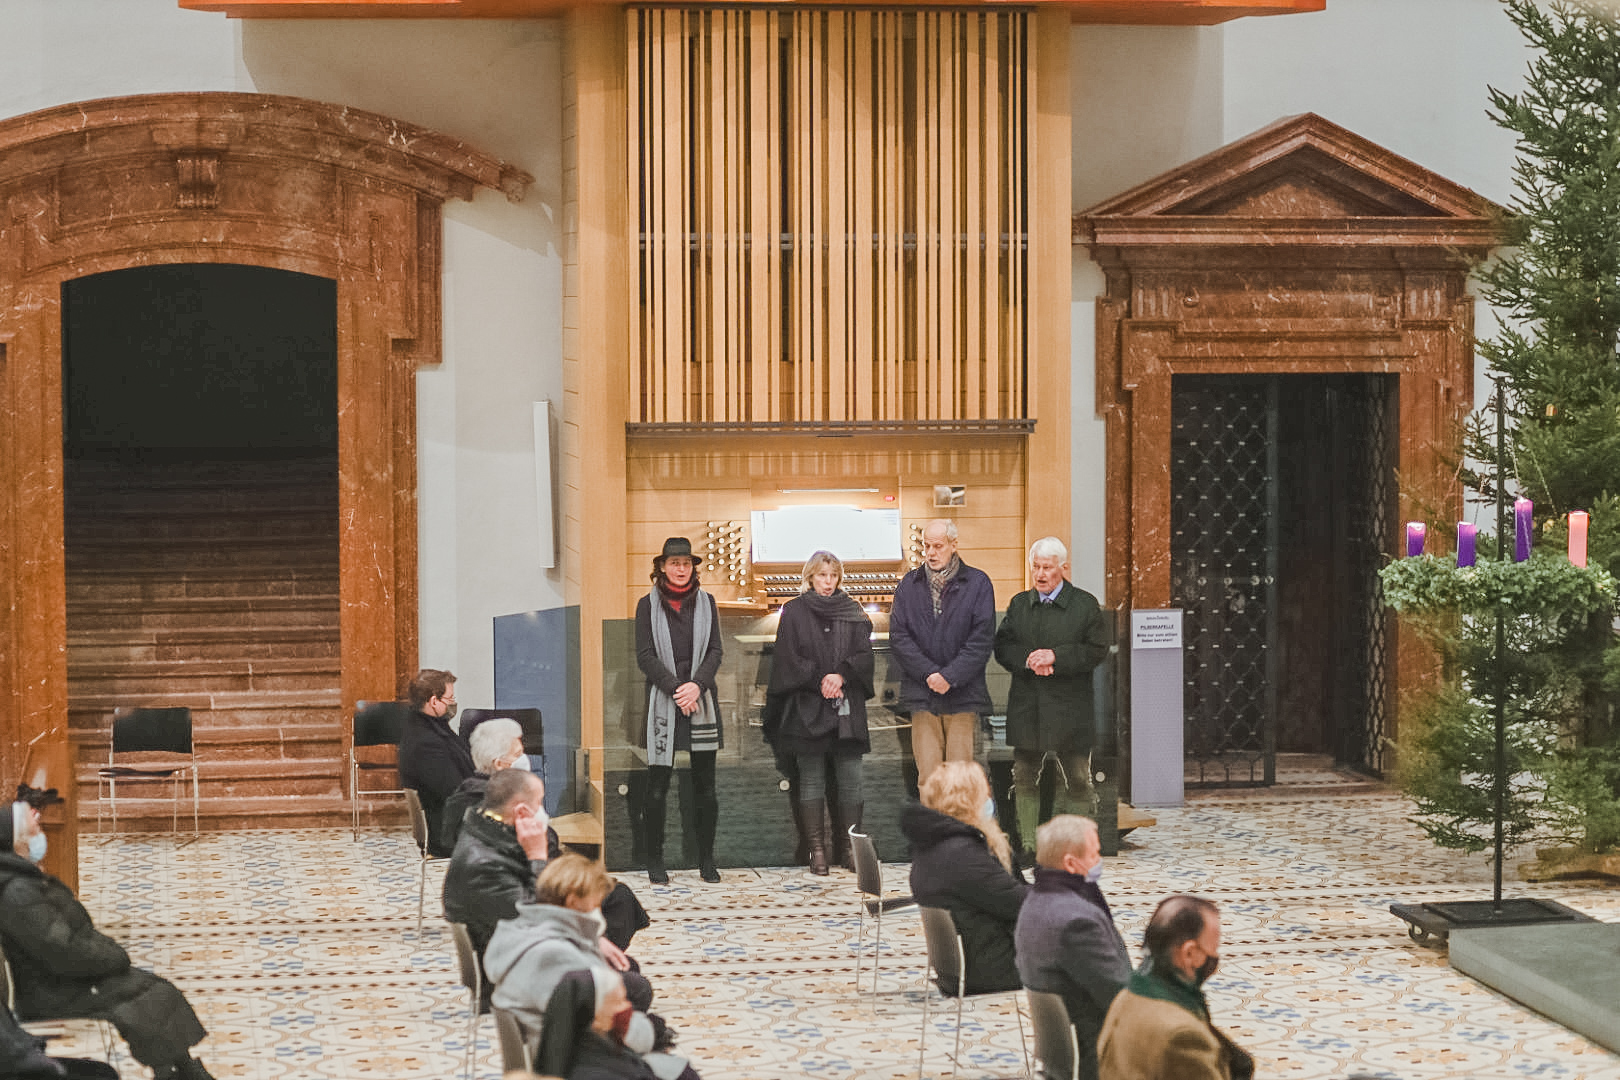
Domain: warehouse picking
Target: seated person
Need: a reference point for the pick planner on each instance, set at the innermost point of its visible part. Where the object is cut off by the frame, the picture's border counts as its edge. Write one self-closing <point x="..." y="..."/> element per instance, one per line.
<point x="558" y="932"/>
<point x="961" y="861"/>
<point x="23" y="1057"/>
<point x="433" y="761"/>
<point x="495" y="745"/>
<point x="65" y="969"/>
<point x="1067" y="943"/>
<point x="587" y="1031"/>
<point x="502" y="847"/>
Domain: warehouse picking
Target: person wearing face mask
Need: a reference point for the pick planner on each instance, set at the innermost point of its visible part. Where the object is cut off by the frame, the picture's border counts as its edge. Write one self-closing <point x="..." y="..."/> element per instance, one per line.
<point x="65" y="969"/>
<point x="495" y="745"/>
<point x="1158" y="1027"/>
<point x="1067" y="943"/>
<point x="561" y="932"/>
<point x="678" y="650"/>
<point x="589" y="1026"/>
<point x="433" y="760"/>
<point x="961" y="861"/>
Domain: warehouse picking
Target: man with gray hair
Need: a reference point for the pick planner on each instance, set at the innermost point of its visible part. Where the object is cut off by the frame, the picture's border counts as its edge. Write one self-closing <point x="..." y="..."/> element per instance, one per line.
<point x="1051" y="638"/>
<point x="496" y="744"/>
<point x="1067" y="943"/>
<point x="940" y="628"/>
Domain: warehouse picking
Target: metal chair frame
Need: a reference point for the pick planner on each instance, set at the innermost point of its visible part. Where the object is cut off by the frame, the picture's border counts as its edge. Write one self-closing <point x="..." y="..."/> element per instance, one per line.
<point x="472" y="977"/>
<point x="419" y="833"/>
<point x="869" y="886"/>
<point x="946" y="960"/>
<point x="1057" y="1047"/>
<point x="517" y="1047"/>
<point x="109" y="1035"/>
<point x="376" y="723"/>
<point x="164" y="730"/>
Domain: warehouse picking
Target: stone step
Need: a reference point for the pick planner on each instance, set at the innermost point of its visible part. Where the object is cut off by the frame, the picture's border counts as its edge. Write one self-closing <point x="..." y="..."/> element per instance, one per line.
<point x="125" y="586"/>
<point x="318" y="643"/>
<point x="260" y="812"/>
<point x="227" y="700"/>
<point x="141" y="619"/>
<point x="171" y="677"/>
<point x="91" y="723"/>
<point x="182" y="556"/>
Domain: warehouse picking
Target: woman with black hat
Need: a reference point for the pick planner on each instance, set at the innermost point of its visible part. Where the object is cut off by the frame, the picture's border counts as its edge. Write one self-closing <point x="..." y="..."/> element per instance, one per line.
<point x="678" y="650"/>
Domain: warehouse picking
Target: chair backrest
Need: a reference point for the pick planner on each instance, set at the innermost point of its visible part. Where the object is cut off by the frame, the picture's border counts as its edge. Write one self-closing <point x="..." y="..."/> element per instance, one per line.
<point x="419" y="828"/>
<point x="868" y="871"/>
<point x="143" y="730"/>
<point x="943" y="943"/>
<point x="379" y="723"/>
<point x="472" y="976"/>
<point x="1057" y="1049"/>
<point x="534" y="732"/>
<point x="517" y="1051"/>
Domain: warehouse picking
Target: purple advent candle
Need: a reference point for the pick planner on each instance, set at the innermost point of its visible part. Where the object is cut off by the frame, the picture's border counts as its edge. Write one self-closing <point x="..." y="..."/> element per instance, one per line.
<point x="1522" y="510"/>
<point x="1466" y="536"/>
<point x="1415" y="532"/>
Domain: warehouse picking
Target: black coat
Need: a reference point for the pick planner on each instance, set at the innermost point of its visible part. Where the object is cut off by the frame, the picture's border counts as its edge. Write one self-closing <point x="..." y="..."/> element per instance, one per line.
<point x="1052" y="712"/>
<point x="952" y="867"/>
<point x="64" y="968"/>
<point x="809" y="647"/>
<point x="434" y="761"/>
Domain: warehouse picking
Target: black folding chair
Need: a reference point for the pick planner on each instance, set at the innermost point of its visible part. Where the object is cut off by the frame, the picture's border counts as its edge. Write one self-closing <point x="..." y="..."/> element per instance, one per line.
<point x="946" y="960"/>
<point x="534" y="733"/>
<point x="164" y="734"/>
<point x="873" y="904"/>
<point x="376" y="723"/>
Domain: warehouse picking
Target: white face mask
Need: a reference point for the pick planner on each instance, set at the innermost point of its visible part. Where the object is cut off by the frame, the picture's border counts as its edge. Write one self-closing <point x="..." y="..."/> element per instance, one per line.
<point x="521" y="762"/>
<point x="595" y="915"/>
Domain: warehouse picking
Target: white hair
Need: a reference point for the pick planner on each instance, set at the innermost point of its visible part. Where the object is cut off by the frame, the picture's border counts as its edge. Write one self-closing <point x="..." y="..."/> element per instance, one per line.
<point x="946" y="524"/>
<point x="1066" y="834"/>
<point x="492" y="739"/>
<point x="1049" y="547"/>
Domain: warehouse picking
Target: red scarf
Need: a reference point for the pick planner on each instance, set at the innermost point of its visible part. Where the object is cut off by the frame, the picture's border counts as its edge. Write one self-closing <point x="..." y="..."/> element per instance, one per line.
<point x="675" y="597"/>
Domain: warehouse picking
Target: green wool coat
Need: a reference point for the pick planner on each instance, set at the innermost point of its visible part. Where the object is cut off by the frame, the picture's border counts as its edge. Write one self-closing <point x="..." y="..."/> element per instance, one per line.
<point x="1052" y="712"/>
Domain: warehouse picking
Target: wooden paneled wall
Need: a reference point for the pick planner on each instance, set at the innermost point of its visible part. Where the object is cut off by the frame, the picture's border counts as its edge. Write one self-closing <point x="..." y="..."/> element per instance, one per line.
<point x="834" y="211"/>
<point x="677" y="485"/>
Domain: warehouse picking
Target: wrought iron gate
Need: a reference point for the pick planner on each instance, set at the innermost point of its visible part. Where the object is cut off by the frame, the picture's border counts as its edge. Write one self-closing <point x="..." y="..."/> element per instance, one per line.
<point x="1224" y="480"/>
<point x="1223" y="544"/>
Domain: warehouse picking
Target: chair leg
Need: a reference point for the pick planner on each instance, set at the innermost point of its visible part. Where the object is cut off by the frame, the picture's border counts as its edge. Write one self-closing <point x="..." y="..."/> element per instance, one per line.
<point x="196" y="803"/>
<point x="421" y="891"/>
<point x="1018" y="1010"/>
<point x="354" y="798"/>
<point x="472" y="1034"/>
<point x="877" y="947"/>
<point x="860" y="936"/>
<point x="956" y="1056"/>
<point x="112" y="790"/>
<point x="922" y="1036"/>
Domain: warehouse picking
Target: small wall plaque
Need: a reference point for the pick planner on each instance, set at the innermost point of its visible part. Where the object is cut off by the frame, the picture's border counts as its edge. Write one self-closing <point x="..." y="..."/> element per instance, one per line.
<point x="950" y="494"/>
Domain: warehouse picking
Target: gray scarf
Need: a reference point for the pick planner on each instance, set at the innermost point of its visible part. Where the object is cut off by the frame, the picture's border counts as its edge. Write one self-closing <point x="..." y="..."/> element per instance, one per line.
<point x="661" y="708"/>
<point x="938" y="579"/>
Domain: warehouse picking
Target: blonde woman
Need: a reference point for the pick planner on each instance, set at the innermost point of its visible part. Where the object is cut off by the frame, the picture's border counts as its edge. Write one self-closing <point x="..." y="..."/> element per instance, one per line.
<point x="821" y="676"/>
<point x="961" y="861"/>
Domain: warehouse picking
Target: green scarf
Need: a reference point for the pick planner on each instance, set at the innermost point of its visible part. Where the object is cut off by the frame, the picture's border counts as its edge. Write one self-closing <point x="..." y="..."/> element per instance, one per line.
<point x="1168" y="986"/>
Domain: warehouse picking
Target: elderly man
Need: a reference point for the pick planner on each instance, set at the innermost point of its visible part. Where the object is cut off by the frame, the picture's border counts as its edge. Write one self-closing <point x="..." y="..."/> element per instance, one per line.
<point x="64" y="968"/>
<point x="1158" y="1027"/>
<point x="1067" y="944"/>
<point x="1051" y="638"/>
<point x="432" y="758"/>
<point x="495" y="745"/>
<point x="503" y="847"/>
<point x="940" y="631"/>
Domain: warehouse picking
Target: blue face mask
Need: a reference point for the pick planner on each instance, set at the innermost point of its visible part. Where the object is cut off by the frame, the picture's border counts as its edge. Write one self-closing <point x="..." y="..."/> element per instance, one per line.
<point x="989" y="811"/>
<point x="1094" y="875"/>
<point x="36" y="847"/>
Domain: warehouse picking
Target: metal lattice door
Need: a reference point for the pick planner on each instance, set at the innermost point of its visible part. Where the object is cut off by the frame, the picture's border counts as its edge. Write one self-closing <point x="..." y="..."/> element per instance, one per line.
<point x="1367" y="415"/>
<point x="1223" y="544"/>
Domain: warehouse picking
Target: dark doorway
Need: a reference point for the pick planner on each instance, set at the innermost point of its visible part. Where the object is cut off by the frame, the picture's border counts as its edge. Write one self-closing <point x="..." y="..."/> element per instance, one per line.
<point x="1281" y="503"/>
<point x="201" y="526"/>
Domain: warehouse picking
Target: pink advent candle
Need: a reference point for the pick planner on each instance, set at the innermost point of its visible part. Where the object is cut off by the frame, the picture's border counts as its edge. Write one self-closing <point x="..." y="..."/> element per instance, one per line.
<point x="1467" y="536"/>
<point x="1578" y="521"/>
<point x="1523" y="510"/>
<point x="1415" y="533"/>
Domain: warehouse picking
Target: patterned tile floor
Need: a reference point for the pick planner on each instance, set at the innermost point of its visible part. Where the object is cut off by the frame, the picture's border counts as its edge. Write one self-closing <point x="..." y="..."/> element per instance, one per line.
<point x="301" y="952"/>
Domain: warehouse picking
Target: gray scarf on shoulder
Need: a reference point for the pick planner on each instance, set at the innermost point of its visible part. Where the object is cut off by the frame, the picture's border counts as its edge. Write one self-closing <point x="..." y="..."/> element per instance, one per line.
<point x="661" y="708"/>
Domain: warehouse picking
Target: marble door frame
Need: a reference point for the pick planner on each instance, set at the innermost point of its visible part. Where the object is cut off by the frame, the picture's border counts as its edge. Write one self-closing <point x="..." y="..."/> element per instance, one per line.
<point x="219" y="178"/>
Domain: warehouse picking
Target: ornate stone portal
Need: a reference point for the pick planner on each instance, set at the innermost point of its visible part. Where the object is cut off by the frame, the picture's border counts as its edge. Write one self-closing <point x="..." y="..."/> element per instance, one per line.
<point x="1302" y="249"/>
<point x="219" y="178"/>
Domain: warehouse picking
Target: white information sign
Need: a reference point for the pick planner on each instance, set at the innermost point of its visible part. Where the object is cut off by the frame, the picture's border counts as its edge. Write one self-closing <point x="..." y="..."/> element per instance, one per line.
<point x="1156" y="629"/>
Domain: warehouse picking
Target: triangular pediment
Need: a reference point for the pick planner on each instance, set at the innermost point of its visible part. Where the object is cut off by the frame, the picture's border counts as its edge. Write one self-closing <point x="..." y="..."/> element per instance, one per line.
<point x="1299" y="168"/>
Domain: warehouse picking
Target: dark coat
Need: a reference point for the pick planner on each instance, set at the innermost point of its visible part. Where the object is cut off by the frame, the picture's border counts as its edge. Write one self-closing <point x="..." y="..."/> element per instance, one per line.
<point x="809" y="647"/>
<point x="952" y="868"/>
<point x="434" y="761"/>
<point x="680" y="638"/>
<point x="1052" y="712"/>
<point x="956" y="643"/>
<point x="1067" y="945"/>
<point x="64" y="968"/>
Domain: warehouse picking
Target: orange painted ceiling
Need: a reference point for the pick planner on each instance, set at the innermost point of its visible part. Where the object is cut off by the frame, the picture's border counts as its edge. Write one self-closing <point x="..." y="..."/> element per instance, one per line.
<point x="1137" y="12"/>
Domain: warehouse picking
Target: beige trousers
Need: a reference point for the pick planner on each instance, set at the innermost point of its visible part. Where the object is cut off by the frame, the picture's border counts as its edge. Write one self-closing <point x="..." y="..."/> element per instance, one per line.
<point x="936" y="738"/>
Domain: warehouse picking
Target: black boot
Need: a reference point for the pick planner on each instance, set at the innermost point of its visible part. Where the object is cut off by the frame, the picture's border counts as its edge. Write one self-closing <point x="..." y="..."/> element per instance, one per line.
<point x="847" y="817"/>
<point x="801" y="852"/>
<point x="708" y="817"/>
<point x="652" y="821"/>
<point x="814" y="815"/>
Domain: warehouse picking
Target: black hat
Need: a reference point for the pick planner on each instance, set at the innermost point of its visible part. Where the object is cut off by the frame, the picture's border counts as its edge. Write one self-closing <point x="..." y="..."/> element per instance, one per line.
<point x="679" y="545"/>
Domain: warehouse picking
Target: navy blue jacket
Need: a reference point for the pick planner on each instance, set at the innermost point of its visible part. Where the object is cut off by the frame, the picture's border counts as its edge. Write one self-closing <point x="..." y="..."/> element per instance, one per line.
<point x="956" y="644"/>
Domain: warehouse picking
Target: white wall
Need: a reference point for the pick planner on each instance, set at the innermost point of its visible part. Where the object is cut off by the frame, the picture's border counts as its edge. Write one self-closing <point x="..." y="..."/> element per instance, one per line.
<point x="498" y="86"/>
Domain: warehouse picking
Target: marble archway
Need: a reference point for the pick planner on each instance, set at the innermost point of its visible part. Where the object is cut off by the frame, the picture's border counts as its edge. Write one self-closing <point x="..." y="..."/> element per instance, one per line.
<point x="219" y="178"/>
